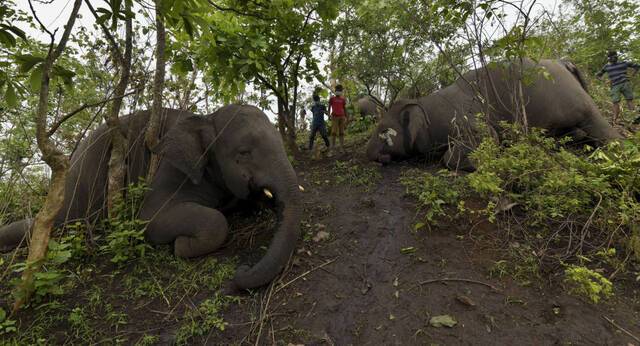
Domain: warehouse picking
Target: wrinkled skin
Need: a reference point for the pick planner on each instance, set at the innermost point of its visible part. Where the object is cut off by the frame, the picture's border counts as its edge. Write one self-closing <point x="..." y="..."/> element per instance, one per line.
<point x="443" y="125"/>
<point x="208" y="163"/>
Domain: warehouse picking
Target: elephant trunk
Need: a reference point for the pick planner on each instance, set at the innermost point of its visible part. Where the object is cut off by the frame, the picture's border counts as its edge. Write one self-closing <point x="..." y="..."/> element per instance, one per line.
<point x="287" y="198"/>
<point x="374" y="151"/>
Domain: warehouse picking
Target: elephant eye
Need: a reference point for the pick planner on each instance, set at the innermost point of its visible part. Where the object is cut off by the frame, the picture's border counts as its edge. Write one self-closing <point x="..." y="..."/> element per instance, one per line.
<point x="244" y="151"/>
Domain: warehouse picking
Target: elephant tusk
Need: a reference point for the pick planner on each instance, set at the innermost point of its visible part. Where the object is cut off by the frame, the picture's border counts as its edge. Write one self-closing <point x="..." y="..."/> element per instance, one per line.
<point x="301" y="188"/>
<point x="268" y="193"/>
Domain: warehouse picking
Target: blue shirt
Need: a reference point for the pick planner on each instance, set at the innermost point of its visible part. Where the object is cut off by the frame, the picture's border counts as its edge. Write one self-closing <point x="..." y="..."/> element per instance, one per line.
<point x="318" y="110"/>
<point x="617" y="72"/>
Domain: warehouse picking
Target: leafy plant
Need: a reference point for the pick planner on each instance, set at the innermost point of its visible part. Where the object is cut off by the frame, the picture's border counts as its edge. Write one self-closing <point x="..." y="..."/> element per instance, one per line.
<point x="588" y="283"/>
<point x="6" y="325"/>
<point x="125" y="232"/>
<point x="49" y="281"/>
<point x="434" y="193"/>
<point x="203" y="319"/>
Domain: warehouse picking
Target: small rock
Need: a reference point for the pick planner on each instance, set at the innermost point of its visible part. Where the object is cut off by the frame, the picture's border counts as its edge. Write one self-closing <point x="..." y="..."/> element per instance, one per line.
<point x="322" y="235"/>
<point x="464" y="300"/>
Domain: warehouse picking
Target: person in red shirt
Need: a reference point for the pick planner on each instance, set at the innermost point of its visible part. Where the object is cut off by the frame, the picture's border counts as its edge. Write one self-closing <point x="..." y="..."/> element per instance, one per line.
<point x="339" y="116"/>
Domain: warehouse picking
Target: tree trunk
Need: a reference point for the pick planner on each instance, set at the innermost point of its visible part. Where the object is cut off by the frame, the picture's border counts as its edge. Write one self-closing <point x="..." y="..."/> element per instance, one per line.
<point x="117" y="163"/>
<point x="153" y="129"/>
<point x="285" y="124"/>
<point x="59" y="164"/>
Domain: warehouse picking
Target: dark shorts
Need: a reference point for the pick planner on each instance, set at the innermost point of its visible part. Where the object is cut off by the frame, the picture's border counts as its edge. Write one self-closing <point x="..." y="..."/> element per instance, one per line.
<point x="619" y="90"/>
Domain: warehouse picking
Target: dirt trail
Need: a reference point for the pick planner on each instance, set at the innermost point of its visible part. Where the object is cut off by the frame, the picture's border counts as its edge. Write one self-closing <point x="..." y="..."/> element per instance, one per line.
<point x="370" y="293"/>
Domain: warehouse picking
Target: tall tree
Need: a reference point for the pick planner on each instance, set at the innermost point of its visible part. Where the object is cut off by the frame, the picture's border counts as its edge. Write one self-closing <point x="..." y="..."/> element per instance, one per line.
<point x="266" y="45"/>
<point x="153" y="129"/>
<point x="117" y="163"/>
<point x="54" y="157"/>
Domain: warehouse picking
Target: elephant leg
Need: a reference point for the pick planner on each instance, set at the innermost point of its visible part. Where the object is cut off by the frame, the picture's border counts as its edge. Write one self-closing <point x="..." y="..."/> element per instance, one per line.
<point x="597" y="129"/>
<point x="196" y="230"/>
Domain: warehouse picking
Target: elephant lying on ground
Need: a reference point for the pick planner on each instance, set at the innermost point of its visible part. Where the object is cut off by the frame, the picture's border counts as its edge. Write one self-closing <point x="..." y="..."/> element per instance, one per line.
<point x="207" y="163"/>
<point x="555" y="98"/>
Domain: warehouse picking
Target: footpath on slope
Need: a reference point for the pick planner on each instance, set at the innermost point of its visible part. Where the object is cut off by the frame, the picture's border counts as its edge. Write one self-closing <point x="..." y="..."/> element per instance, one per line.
<point x="361" y="283"/>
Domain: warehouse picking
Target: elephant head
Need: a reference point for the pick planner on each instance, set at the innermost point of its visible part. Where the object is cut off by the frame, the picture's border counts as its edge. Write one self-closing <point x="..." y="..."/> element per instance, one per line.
<point x="396" y="134"/>
<point x="241" y="149"/>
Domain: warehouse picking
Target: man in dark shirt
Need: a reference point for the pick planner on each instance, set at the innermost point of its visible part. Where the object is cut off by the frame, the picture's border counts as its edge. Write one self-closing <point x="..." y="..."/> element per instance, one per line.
<point x="620" y="85"/>
<point x="317" y="124"/>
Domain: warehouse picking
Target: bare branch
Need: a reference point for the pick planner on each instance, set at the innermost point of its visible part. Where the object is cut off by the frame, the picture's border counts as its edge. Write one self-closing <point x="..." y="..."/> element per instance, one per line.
<point x="57" y="124"/>
<point x="44" y="28"/>
<point x="110" y="38"/>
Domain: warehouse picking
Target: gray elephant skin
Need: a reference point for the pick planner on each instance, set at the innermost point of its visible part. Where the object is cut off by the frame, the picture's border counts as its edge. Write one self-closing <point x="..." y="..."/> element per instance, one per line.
<point x="207" y="164"/>
<point x="366" y="107"/>
<point x="555" y="99"/>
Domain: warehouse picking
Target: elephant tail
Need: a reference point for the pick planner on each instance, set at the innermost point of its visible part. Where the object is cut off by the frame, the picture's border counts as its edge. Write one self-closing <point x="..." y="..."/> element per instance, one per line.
<point x="15" y="234"/>
<point x="573" y="69"/>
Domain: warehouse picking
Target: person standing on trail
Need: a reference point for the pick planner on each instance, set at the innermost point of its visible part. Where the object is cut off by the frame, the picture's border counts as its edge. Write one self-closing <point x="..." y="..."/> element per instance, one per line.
<point x="302" y="123"/>
<point x="619" y="81"/>
<point x="339" y="116"/>
<point x="317" y="124"/>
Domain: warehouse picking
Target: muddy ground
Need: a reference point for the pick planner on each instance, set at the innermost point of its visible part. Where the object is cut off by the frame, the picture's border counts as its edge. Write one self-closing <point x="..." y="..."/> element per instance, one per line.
<point x="360" y="287"/>
<point x="366" y="279"/>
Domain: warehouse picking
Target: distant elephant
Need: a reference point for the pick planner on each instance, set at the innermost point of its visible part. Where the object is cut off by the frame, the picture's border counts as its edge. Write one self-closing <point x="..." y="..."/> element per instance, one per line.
<point x="207" y="163"/>
<point x="555" y="98"/>
<point x="366" y="106"/>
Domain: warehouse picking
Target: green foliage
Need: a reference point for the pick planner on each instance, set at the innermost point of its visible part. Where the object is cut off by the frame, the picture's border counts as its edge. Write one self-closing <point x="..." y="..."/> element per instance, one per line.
<point x="347" y="172"/>
<point x="563" y="194"/>
<point x="7" y="325"/>
<point x="203" y="319"/>
<point x="50" y="281"/>
<point x="588" y="283"/>
<point x="79" y="323"/>
<point x="433" y="192"/>
<point x="124" y="231"/>
<point x="358" y="124"/>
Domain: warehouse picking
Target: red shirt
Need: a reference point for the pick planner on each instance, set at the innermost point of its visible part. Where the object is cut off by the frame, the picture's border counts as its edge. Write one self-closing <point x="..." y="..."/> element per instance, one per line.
<point x="337" y="104"/>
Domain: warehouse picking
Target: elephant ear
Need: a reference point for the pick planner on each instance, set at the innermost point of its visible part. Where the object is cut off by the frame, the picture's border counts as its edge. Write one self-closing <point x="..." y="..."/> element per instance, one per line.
<point x="184" y="146"/>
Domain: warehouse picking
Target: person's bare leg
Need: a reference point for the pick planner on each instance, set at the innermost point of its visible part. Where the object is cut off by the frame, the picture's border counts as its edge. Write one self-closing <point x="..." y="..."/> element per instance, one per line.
<point x="630" y="105"/>
<point x="616" y="112"/>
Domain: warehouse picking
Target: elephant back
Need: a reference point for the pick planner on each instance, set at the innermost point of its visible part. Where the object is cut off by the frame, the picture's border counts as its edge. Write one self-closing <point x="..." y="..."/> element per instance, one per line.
<point x="86" y="184"/>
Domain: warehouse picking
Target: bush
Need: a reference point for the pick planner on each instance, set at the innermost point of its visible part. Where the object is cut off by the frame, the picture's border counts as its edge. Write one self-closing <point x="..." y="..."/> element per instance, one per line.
<point x="124" y="231"/>
<point x="433" y="192"/>
<point x="566" y="205"/>
<point x="588" y="283"/>
<point x="564" y="195"/>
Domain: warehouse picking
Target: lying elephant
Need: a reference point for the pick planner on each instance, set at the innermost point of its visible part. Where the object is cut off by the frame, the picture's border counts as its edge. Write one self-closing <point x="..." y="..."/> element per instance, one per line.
<point x="207" y="163"/>
<point x="555" y="99"/>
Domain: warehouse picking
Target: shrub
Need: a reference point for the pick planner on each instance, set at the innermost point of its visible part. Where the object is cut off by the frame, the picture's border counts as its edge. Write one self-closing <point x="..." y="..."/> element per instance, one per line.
<point x="124" y="231"/>
<point x="433" y="192"/>
<point x="588" y="283"/>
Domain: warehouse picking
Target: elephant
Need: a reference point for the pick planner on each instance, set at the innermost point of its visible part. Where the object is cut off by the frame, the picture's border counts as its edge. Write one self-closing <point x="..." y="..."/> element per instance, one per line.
<point x="207" y="164"/>
<point x="555" y="98"/>
<point x="366" y="107"/>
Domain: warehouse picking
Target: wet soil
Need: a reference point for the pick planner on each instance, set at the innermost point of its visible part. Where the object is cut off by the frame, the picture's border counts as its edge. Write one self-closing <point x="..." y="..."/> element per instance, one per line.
<point x="372" y="280"/>
<point x="375" y="281"/>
